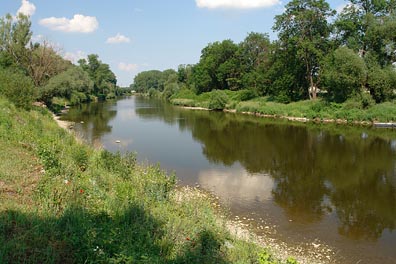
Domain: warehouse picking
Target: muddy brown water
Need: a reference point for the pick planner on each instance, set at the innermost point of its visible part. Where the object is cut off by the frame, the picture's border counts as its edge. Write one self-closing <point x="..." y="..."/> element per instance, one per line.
<point x="304" y="185"/>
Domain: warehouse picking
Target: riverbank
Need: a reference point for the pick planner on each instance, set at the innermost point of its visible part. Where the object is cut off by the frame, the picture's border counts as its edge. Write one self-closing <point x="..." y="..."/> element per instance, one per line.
<point x="66" y="202"/>
<point x="353" y="112"/>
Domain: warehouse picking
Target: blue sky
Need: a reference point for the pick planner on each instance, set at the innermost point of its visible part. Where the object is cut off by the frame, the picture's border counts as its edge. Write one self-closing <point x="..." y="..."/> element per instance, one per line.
<point x="138" y="35"/>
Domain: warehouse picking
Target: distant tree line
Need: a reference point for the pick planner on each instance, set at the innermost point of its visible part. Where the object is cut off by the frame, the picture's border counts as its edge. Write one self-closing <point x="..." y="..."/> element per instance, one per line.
<point x="35" y="71"/>
<point x="318" y="53"/>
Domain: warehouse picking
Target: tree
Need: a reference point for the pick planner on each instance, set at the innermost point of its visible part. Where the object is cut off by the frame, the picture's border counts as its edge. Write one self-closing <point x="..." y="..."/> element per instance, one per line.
<point x="344" y="73"/>
<point x="253" y="55"/>
<point x="184" y="73"/>
<point x="369" y="26"/>
<point x="382" y="83"/>
<point x="217" y="68"/>
<point x="104" y="79"/>
<point x="44" y="63"/>
<point x="143" y="81"/>
<point x="15" y="36"/>
<point x="73" y="81"/>
<point x="286" y="75"/>
<point x="304" y="25"/>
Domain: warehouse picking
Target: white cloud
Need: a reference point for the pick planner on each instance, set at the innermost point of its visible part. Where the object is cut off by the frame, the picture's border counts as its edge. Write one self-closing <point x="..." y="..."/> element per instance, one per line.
<point x="38" y="38"/>
<point x="79" y="23"/>
<point x="235" y="4"/>
<point x="128" y="67"/>
<point x="74" y="56"/>
<point x="27" y="8"/>
<point x="118" y="39"/>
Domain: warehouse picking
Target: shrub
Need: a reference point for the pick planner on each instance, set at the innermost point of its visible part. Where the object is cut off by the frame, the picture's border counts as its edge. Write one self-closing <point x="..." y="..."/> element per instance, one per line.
<point x="343" y="74"/>
<point x="381" y="83"/>
<point x="17" y="87"/>
<point x="218" y="100"/>
<point x="152" y="92"/>
<point x="245" y="95"/>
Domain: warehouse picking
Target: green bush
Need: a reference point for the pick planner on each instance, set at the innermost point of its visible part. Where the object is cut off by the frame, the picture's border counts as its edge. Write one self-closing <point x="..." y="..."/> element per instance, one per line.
<point x="245" y="95"/>
<point x="152" y="92"/>
<point x="343" y="74"/>
<point x="218" y="100"/>
<point x="382" y="83"/>
<point x="18" y="88"/>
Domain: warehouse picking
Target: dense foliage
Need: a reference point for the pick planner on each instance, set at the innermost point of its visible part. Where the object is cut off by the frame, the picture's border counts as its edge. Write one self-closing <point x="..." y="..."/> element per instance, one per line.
<point x="36" y="71"/>
<point x="319" y="54"/>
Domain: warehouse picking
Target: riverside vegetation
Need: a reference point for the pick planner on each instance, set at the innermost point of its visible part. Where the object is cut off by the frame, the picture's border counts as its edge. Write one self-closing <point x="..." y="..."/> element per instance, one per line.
<point x="65" y="202"/>
<point x="323" y="65"/>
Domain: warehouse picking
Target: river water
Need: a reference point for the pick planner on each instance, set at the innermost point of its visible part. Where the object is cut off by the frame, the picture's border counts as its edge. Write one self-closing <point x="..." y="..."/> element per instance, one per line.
<point x="304" y="185"/>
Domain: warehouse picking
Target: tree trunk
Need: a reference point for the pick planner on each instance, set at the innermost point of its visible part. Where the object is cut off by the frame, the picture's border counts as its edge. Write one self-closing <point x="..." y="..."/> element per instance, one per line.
<point x="312" y="88"/>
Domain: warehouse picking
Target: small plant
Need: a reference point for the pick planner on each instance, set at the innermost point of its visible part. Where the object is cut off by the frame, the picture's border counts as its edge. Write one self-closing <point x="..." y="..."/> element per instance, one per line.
<point x="218" y="100"/>
<point x="265" y="258"/>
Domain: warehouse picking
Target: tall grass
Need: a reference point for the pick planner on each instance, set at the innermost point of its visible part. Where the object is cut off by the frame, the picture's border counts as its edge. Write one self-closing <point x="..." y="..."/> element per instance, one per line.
<point x="65" y="202"/>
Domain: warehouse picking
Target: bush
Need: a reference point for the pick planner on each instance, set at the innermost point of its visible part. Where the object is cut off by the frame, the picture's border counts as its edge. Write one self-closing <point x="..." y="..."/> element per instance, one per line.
<point x="218" y="100"/>
<point x="343" y="74"/>
<point x="381" y="83"/>
<point x="152" y="92"/>
<point x="18" y="88"/>
<point x="170" y="89"/>
<point x="245" y="95"/>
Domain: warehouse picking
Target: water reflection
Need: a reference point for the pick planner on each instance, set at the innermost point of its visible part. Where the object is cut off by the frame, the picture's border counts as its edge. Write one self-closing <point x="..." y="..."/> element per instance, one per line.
<point x="93" y="120"/>
<point x="337" y="177"/>
<point x="314" y="170"/>
<point x="234" y="183"/>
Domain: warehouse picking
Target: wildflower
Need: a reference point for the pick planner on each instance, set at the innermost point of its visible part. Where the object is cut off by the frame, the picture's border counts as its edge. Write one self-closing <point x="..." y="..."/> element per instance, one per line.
<point x="66" y="182"/>
<point x="81" y="191"/>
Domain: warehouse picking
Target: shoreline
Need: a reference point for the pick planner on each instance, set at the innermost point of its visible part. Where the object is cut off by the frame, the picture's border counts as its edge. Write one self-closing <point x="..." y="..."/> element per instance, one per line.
<point x="301" y="119"/>
<point x="240" y="227"/>
<point x="67" y="125"/>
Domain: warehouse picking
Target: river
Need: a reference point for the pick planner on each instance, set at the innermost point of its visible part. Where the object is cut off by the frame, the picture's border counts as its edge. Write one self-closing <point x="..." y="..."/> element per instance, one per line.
<point x="304" y="185"/>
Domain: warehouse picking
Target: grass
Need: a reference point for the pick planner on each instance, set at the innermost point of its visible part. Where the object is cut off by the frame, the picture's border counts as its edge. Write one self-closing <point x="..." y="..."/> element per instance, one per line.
<point x="65" y="202"/>
<point x="350" y="111"/>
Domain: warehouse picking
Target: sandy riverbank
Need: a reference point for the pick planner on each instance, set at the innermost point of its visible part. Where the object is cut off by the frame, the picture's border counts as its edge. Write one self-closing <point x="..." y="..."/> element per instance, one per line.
<point x="62" y="123"/>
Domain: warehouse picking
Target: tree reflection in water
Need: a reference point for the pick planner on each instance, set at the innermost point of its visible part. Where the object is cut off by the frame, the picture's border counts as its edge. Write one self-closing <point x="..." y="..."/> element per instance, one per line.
<point x="315" y="170"/>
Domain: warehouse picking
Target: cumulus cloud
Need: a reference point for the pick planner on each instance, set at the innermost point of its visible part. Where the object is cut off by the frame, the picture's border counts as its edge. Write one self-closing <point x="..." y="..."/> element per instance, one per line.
<point x="79" y="23"/>
<point x="74" y="56"/>
<point x="236" y="4"/>
<point x="118" y="39"/>
<point x="27" y="8"/>
<point x="128" y="67"/>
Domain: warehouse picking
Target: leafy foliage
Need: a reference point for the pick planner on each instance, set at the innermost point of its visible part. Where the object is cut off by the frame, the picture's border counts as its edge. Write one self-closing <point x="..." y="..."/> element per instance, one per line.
<point x="343" y="74"/>
<point x="218" y="100"/>
<point x="103" y="78"/>
<point x="68" y="84"/>
<point x="17" y="87"/>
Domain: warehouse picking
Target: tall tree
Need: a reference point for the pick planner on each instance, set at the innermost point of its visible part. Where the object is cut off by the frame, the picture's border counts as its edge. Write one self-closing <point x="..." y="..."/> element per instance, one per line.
<point x="344" y="73"/>
<point x="217" y="68"/>
<point x="44" y="63"/>
<point x="104" y="79"/>
<point x="305" y="25"/>
<point x="15" y="35"/>
<point x="368" y="27"/>
<point x="253" y="55"/>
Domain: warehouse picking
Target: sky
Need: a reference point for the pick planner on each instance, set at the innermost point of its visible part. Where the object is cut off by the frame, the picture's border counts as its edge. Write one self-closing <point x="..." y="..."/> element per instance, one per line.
<point x="139" y="35"/>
